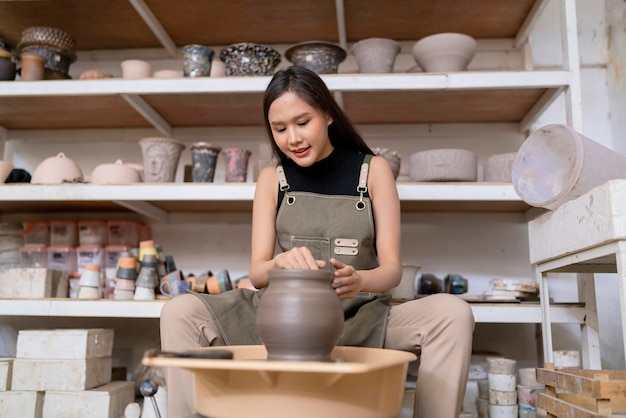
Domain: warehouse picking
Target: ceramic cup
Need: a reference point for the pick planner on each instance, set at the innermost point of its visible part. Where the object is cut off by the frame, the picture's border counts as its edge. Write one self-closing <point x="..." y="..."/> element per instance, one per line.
<point x="33" y="67"/>
<point x="123" y="294"/>
<point x="136" y="69"/>
<point x="204" y="160"/>
<point x="174" y="288"/>
<point x="147" y="278"/>
<point x="197" y="60"/>
<point x="236" y="164"/>
<point x="90" y="277"/>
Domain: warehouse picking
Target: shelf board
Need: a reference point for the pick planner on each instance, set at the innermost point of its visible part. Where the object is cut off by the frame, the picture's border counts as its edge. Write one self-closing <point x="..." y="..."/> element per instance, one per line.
<point x="115" y="24"/>
<point x="461" y="97"/>
<point x="159" y="200"/>
<point x="520" y="313"/>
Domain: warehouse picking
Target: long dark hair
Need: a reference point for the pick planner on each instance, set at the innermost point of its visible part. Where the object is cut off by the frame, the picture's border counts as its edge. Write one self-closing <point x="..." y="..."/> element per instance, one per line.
<point x="312" y="89"/>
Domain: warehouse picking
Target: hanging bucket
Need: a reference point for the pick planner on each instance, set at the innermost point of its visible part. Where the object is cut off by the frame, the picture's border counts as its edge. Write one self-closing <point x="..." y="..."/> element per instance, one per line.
<point x="557" y="164"/>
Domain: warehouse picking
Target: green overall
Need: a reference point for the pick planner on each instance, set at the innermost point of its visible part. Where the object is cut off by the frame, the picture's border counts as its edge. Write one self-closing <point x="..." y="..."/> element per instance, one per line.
<point x="337" y="226"/>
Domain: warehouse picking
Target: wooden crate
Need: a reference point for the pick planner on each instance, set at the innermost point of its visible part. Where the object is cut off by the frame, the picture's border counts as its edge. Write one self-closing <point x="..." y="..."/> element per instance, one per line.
<point x="578" y="393"/>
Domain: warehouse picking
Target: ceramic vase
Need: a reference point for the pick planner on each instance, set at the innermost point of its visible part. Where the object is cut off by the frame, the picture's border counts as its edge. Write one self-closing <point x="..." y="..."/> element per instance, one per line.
<point x="236" y="164"/>
<point x="204" y="160"/>
<point x="197" y="61"/>
<point x="376" y="55"/>
<point x="33" y="67"/>
<point x="160" y="159"/>
<point x="299" y="317"/>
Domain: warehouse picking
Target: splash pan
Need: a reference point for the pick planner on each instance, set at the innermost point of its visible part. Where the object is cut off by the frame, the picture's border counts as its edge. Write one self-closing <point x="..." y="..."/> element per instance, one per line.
<point x="358" y="382"/>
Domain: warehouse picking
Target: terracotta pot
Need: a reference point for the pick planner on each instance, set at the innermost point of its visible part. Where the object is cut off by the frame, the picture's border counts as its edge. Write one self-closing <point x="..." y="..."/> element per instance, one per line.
<point x="376" y="55"/>
<point x="33" y="67"/>
<point x="117" y="173"/>
<point x="299" y="317"/>
<point x="160" y="159"/>
<point x="55" y="170"/>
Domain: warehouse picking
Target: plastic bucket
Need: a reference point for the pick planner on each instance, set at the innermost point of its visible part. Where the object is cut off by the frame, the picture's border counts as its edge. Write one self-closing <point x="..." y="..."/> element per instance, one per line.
<point x="557" y="164"/>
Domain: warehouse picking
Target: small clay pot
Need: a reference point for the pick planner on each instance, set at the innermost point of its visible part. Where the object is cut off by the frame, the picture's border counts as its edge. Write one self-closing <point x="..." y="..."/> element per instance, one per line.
<point x="33" y="67"/>
<point x="236" y="164"/>
<point x="299" y="317"/>
<point x="376" y="55"/>
<point x="160" y="158"/>
<point x="204" y="160"/>
<point x="134" y="69"/>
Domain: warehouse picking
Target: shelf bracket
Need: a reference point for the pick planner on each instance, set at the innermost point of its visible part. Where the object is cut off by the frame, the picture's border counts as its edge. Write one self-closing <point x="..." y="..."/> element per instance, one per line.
<point x="146" y="209"/>
<point x="155" y="26"/>
<point x="538" y="108"/>
<point x="148" y="113"/>
<point x="529" y="23"/>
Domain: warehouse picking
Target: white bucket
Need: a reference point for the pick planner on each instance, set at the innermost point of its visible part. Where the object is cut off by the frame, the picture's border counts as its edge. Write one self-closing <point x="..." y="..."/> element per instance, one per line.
<point x="557" y="164"/>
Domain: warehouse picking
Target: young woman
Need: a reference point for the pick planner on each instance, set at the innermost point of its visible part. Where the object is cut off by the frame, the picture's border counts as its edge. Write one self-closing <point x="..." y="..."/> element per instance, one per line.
<point x="329" y="204"/>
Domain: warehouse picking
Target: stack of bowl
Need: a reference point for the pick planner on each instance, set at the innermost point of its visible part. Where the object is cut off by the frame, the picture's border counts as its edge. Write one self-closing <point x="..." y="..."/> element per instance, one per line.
<point x="55" y="45"/>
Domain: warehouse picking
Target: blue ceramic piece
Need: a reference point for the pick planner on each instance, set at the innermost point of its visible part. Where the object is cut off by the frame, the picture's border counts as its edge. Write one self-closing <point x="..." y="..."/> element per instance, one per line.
<point x="197" y="61"/>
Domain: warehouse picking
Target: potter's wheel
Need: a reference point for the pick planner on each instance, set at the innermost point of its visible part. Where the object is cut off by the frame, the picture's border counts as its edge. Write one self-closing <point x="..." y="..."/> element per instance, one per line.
<point x="359" y="383"/>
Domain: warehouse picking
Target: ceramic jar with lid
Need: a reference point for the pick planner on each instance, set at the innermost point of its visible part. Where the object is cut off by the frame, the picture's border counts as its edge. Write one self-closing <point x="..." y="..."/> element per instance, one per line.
<point x="57" y="169"/>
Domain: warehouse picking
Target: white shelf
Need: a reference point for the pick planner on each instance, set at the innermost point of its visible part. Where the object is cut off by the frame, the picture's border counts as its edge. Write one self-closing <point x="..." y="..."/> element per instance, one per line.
<point x="159" y="201"/>
<point x="518" y="313"/>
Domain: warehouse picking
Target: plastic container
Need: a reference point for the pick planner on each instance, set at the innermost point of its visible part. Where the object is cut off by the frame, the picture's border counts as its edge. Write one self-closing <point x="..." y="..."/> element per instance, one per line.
<point x="63" y="233"/>
<point x="34" y="256"/>
<point x="92" y="233"/>
<point x="123" y="233"/>
<point x="37" y="233"/>
<point x="557" y="164"/>
<point x="89" y="254"/>
<point x="62" y="258"/>
<point x="357" y="382"/>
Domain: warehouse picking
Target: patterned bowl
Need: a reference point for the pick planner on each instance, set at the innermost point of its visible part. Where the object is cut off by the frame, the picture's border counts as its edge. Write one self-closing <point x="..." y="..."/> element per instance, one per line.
<point x="249" y="59"/>
<point x="53" y="38"/>
<point x="319" y="56"/>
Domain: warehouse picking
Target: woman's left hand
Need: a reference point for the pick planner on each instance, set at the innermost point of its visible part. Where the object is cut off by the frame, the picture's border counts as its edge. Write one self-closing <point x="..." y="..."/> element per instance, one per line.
<point x="347" y="282"/>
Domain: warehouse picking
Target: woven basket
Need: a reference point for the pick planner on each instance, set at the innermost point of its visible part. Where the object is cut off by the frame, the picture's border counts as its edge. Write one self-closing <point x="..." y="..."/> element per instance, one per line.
<point x="52" y="38"/>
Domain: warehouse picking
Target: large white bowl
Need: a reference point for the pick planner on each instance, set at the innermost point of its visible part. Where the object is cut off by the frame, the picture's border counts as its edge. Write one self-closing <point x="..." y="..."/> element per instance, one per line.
<point x="446" y="164"/>
<point x="5" y="170"/>
<point x="444" y="52"/>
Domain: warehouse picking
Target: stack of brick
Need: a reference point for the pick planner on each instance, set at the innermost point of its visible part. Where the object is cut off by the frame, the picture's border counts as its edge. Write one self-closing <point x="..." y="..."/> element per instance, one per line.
<point x="64" y="373"/>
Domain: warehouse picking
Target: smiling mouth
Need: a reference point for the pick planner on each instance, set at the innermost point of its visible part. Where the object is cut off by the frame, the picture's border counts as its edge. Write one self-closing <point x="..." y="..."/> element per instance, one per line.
<point x="300" y="150"/>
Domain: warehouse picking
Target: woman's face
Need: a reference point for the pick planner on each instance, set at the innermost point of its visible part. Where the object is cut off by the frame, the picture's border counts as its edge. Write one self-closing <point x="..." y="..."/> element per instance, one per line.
<point x="299" y="130"/>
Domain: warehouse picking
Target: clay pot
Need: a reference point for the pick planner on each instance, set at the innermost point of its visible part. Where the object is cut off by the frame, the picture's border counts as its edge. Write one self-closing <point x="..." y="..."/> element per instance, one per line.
<point x="299" y="317"/>
<point x="136" y="69"/>
<point x="444" y="52"/>
<point x="197" y="60"/>
<point x="168" y="74"/>
<point x="117" y="173"/>
<point x="498" y="168"/>
<point x="318" y="56"/>
<point x="204" y="160"/>
<point x="56" y="170"/>
<point x="33" y="66"/>
<point x="160" y="158"/>
<point x="5" y="170"/>
<point x="236" y="164"/>
<point x="376" y="55"/>
<point x="392" y="157"/>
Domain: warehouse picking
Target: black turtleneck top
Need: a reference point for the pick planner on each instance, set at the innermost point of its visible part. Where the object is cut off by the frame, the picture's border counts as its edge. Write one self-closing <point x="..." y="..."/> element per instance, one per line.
<point x="337" y="174"/>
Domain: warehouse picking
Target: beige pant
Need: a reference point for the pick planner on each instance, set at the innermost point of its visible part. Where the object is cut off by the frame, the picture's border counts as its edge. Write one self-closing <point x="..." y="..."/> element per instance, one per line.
<point x="441" y="325"/>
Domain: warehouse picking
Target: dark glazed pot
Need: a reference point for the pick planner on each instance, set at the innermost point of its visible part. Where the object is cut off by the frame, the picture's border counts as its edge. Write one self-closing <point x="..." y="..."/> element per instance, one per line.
<point x="318" y="56"/>
<point x="299" y="317"/>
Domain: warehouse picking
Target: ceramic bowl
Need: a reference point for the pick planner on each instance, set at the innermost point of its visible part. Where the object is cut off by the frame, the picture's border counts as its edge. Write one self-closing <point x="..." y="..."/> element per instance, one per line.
<point x="318" y="56"/>
<point x="249" y="59"/>
<point x="376" y="55"/>
<point x="444" y="52"/>
<point x="5" y="170"/>
<point x="56" y="170"/>
<point x="499" y="168"/>
<point x="52" y="38"/>
<point x="116" y="173"/>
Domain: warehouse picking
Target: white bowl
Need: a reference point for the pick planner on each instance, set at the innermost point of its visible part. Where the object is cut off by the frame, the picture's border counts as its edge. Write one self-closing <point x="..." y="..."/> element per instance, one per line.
<point x="444" y="52"/>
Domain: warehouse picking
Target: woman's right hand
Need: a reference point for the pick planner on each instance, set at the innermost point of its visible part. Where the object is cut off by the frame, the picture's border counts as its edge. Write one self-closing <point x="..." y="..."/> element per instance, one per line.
<point x="298" y="258"/>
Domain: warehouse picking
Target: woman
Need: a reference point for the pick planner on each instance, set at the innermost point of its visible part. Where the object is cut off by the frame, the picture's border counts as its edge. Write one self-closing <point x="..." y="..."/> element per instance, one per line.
<point x="329" y="204"/>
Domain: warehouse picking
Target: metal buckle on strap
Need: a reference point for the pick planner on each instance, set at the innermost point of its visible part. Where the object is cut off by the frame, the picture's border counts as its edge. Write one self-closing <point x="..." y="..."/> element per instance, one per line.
<point x="362" y="186"/>
<point x="284" y="186"/>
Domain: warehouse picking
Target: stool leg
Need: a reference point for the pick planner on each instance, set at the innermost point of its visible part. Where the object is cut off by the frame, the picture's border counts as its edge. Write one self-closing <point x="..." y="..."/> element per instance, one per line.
<point x="590" y="341"/>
